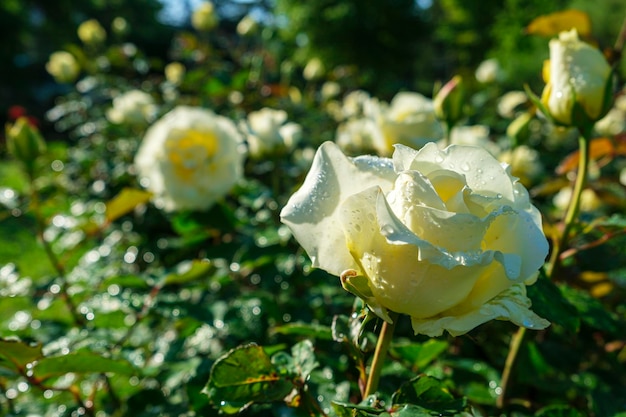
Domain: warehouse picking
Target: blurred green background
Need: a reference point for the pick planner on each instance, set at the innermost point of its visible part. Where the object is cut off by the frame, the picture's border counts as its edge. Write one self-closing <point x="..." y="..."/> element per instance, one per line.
<point x="393" y="45"/>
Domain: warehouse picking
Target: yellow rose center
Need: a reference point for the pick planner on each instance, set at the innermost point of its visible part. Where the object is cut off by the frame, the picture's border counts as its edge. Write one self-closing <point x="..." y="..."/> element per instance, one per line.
<point x="192" y="151"/>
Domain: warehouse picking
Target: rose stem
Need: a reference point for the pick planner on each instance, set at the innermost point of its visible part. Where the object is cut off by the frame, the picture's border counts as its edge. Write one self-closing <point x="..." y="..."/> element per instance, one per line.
<point x="570" y="217"/>
<point x="574" y="206"/>
<point x="380" y="354"/>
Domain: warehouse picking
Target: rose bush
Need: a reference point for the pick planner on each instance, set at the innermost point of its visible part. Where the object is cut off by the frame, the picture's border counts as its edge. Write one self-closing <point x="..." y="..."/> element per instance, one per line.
<point x="577" y="75"/>
<point x="190" y="158"/>
<point x="447" y="237"/>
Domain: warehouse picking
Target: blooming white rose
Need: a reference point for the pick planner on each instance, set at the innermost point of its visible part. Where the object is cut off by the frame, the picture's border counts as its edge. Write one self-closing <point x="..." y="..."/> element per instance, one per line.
<point x="204" y="18"/>
<point x="576" y="74"/>
<point x="409" y="120"/>
<point x="133" y="107"/>
<point x="267" y="132"/>
<point x="447" y="237"/>
<point x="63" y="67"/>
<point x="190" y="158"/>
<point x="91" y="32"/>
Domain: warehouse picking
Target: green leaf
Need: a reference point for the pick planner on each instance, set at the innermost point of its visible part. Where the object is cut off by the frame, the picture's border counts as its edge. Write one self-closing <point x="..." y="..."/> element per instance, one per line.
<point x="419" y="355"/>
<point x="550" y="303"/>
<point x="124" y="202"/>
<point x="558" y="411"/>
<point x="190" y="271"/>
<point x="303" y="359"/>
<point x="591" y="311"/>
<point x="429" y="393"/>
<point x="80" y="363"/>
<point x="243" y="376"/>
<point x="15" y="355"/>
<point x="314" y="331"/>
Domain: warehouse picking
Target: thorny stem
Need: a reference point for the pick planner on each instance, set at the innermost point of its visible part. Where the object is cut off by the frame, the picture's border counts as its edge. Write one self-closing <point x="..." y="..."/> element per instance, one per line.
<point x="380" y="354"/>
<point x="570" y="217"/>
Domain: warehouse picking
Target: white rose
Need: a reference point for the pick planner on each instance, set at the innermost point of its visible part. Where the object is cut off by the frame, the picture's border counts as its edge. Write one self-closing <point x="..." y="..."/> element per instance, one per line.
<point x="488" y="71"/>
<point x="63" y="67"/>
<point x="91" y="32"/>
<point x="267" y="132"/>
<point x="577" y="73"/>
<point x="409" y="120"/>
<point x="510" y="102"/>
<point x="132" y="107"/>
<point x="525" y="163"/>
<point x="476" y="135"/>
<point x="190" y="158"/>
<point x="447" y="237"/>
<point x="314" y="69"/>
<point x="358" y="136"/>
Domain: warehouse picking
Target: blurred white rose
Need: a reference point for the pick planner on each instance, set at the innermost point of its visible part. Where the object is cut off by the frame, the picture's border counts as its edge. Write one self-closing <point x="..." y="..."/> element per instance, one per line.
<point x="190" y="158"/>
<point x="409" y="120"/>
<point x="510" y="102"/>
<point x="247" y="26"/>
<point x="314" y="69"/>
<point x="447" y="237"/>
<point x="63" y="67"/>
<point x="91" y="32"/>
<point x="204" y="18"/>
<point x="589" y="200"/>
<point x="134" y="107"/>
<point x="174" y="72"/>
<point x="476" y="135"/>
<point x="358" y="136"/>
<point x="489" y="71"/>
<point x="267" y="133"/>
<point x="525" y="163"/>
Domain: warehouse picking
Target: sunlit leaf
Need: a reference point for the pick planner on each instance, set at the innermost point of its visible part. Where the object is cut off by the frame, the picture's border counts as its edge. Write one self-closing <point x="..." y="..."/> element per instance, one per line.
<point x="15" y="355"/>
<point x="191" y="271"/>
<point x="429" y="393"/>
<point x="315" y="331"/>
<point x="549" y="303"/>
<point x="80" y="363"/>
<point x="243" y="376"/>
<point x="419" y="355"/>
<point x="124" y="202"/>
<point x="554" y="23"/>
<point x="591" y="311"/>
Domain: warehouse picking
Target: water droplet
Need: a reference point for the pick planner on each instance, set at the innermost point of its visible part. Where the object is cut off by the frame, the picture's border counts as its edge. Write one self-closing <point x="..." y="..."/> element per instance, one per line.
<point x="439" y="159"/>
<point x="465" y="166"/>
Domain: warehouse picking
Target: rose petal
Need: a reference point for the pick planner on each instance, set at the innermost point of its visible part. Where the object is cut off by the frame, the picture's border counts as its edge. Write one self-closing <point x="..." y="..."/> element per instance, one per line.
<point x="399" y="277"/>
<point x="312" y="213"/>
<point x="512" y="304"/>
<point x="483" y="173"/>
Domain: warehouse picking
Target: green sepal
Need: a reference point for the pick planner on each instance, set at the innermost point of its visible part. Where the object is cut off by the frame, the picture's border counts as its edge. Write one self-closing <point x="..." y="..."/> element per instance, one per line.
<point x="542" y="108"/>
<point x="358" y="285"/>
